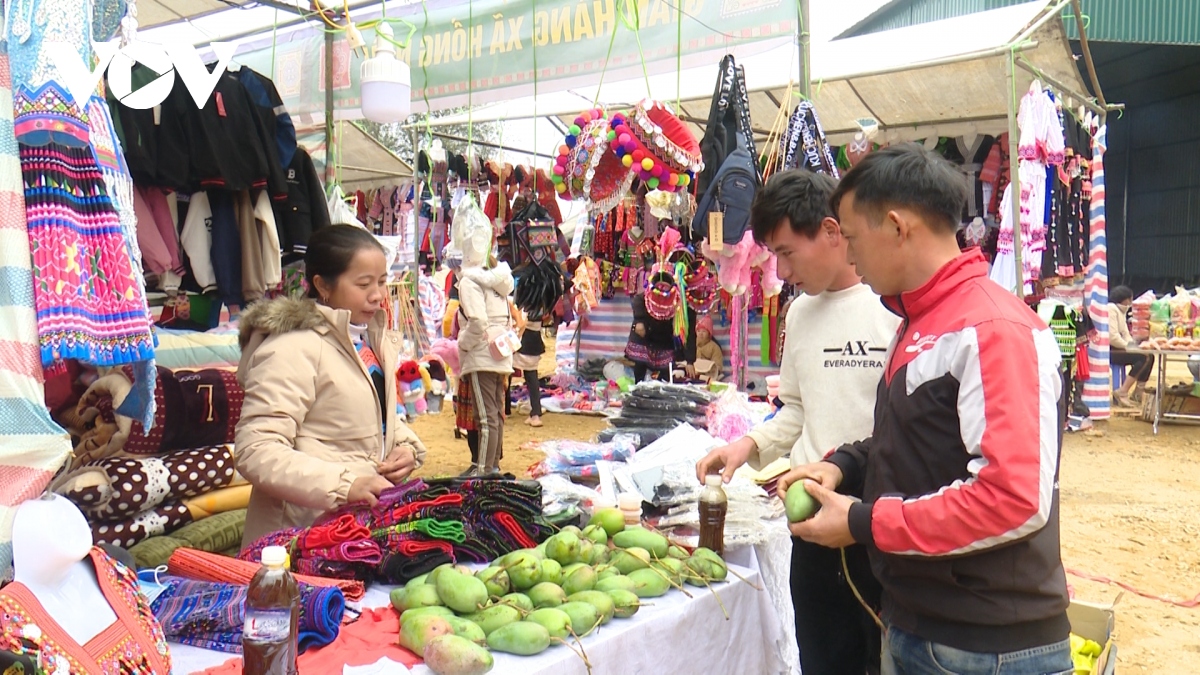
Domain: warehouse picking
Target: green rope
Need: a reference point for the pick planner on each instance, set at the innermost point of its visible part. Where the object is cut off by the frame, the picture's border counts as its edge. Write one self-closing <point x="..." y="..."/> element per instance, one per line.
<point x="425" y="84"/>
<point x="611" y="41"/>
<point x="535" y="96"/>
<point x="274" y="33"/>
<point x="470" y="76"/>
<point x="678" y="54"/>
<point x="635" y="25"/>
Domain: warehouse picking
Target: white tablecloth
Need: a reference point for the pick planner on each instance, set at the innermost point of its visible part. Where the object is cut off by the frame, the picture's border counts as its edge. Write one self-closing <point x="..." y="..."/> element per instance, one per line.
<point x="772" y="559"/>
<point x="673" y="633"/>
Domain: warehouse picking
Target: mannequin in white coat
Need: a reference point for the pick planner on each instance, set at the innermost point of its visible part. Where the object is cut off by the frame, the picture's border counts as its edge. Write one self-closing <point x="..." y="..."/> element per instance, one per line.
<point x="51" y="540"/>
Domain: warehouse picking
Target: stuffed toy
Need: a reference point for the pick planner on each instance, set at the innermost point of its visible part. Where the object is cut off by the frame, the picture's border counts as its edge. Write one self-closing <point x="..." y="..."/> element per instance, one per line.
<point x="734" y="264"/>
<point x="194" y="409"/>
<point x="412" y="389"/>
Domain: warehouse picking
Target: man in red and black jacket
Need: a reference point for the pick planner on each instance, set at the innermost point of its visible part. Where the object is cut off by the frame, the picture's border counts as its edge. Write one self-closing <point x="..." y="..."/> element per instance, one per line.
<point x="959" y="480"/>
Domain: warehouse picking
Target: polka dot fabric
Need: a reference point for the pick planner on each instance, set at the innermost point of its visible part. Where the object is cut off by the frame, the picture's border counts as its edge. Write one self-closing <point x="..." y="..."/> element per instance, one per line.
<point x="138" y="484"/>
<point x="130" y="531"/>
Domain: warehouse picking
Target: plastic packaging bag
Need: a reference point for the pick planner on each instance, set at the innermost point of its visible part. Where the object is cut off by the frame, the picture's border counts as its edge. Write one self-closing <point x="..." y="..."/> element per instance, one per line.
<point x="581" y="453"/>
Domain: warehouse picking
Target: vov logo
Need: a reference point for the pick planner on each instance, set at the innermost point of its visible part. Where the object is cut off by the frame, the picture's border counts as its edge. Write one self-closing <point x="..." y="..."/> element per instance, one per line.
<point x="166" y="60"/>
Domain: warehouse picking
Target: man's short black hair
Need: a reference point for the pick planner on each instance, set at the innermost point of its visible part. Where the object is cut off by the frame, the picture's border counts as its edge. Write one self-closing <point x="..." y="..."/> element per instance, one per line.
<point x="909" y="176"/>
<point x="1120" y="294"/>
<point x="800" y="196"/>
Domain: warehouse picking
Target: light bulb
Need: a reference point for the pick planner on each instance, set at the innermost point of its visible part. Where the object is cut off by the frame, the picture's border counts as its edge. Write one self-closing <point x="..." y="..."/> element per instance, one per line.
<point x="386" y="81"/>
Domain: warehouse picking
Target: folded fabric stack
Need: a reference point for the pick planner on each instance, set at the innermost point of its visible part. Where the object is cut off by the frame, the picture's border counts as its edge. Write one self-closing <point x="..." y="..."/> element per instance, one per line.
<point x="130" y="499"/>
<point x="415" y="527"/>
<point x="220" y="533"/>
<point x="210" y="614"/>
<point x="653" y="408"/>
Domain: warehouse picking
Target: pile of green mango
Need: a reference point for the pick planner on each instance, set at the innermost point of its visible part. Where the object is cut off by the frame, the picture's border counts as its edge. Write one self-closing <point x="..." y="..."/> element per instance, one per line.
<point x="531" y="598"/>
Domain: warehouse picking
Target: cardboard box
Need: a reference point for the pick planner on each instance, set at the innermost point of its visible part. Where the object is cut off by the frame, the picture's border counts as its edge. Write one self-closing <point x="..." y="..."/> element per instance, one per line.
<point x="1096" y="623"/>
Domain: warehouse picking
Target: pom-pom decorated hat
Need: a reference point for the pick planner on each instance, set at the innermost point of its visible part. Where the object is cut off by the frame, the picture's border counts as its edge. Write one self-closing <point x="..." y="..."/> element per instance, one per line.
<point x="656" y="146"/>
<point x="584" y="168"/>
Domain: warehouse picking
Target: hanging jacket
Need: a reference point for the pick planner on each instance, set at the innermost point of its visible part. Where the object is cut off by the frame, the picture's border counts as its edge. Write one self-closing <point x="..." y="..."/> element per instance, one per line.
<point x="274" y="114"/>
<point x="310" y="422"/>
<point x="305" y="210"/>
<point x="483" y="303"/>
<point x="228" y="146"/>
<point x="959" y="480"/>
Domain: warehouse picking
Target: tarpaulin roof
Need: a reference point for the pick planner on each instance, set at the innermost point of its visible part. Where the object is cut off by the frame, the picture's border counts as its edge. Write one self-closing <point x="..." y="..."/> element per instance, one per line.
<point x="944" y="78"/>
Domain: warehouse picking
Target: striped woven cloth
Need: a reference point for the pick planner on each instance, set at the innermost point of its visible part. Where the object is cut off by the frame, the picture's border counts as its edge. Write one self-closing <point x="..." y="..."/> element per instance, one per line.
<point x="32" y="446"/>
<point x="193" y="564"/>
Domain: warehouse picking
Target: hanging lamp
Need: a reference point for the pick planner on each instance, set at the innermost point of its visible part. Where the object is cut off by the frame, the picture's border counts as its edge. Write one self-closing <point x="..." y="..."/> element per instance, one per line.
<point x="386" y="81"/>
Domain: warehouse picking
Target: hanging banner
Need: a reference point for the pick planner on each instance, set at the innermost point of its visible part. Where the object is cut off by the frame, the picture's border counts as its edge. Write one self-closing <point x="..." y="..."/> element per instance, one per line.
<point x="486" y="51"/>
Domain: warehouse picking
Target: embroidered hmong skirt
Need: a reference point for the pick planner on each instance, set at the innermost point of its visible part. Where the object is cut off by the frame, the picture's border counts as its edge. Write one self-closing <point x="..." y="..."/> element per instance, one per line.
<point x="652" y="357"/>
<point x="87" y="289"/>
<point x="465" y="415"/>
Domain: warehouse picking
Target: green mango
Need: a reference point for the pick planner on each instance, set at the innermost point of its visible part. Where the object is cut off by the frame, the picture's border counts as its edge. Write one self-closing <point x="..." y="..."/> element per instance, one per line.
<point x="674" y="571"/>
<point x="461" y="592"/>
<point x="466" y="628"/>
<point x="798" y="504"/>
<point x="573" y="529"/>
<point x="584" y="616"/>
<point x="524" y="638"/>
<point x="397" y="597"/>
<point x="417" y="581"/>
<point x="547" y="594"/>
<point x="455" y="655"/>
<point x="418" y="631"/>
<point x="524" y="571"/>
<point x="585" y="552"/>
<point x="627" y="603"/>
<point x="563" y="548"/>
<point x="432" y="577"/>
<point x="421" y="596"/>
<point x="677" y="552"/>
<point x="556" y="622"/>
<point x="630" y="559"/>
<point x="619" y="582"/>
<point x="494" y="617"/>
<point x="567" y="570"/>
<point x="596" y="533"/>
<point x="600" y="554"/>
<point x="603" y="602"/>
<point x="708" y="554"/>
<point x="649" y="583"/>
<point x="551" y="571"/>
<point x="518" y="600"/>
<point x="639" y="537"/>
<point x="607" y="570"/>
<point x="435" y="610"/>
<point x="539" y="551"/>
<point x="495" y="579"/>
<point x="611" y="519"/>
<point x="582" y="579"/>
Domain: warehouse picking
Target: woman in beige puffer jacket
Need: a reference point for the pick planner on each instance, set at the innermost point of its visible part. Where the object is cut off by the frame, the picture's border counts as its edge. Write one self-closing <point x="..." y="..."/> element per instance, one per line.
<point x="483" y="310"/>
<point x="316" y="432"/>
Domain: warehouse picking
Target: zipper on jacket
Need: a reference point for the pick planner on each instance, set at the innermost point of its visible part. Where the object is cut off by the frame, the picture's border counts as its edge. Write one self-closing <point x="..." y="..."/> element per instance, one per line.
<point x="887" y="371"/>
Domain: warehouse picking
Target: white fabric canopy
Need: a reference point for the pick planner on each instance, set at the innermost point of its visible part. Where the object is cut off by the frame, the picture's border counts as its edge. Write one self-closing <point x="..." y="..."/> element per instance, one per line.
<point x="944" y="78"/>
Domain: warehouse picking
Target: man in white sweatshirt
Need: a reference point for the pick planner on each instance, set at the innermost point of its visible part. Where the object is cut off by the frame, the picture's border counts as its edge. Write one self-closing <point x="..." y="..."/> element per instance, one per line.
<point x="838" y="333"/>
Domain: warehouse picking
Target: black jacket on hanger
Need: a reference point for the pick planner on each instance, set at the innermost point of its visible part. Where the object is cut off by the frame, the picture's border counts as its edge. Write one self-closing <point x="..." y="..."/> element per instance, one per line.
<point x="305" y="210"/>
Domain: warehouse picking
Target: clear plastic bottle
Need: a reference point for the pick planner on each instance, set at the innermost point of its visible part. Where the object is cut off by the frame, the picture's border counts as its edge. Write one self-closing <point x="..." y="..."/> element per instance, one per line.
<point x="269" y="635"/>
<point x="713" y="506"/>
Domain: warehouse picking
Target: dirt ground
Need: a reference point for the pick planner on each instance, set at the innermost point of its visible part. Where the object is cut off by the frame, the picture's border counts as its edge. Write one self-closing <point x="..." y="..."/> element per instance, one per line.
<point x="1129" y="512"/>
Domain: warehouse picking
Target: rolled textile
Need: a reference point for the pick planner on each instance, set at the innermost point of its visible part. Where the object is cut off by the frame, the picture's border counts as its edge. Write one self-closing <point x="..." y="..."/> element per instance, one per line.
<point x="141" y="526"/>
<point x="211" y="615"/>
<point x="202" y="566"/>
<point x="400" y="568"/>
<point x="343" y="529"/>
<point x="215" y="534"/>
<point x="233" y="498"/>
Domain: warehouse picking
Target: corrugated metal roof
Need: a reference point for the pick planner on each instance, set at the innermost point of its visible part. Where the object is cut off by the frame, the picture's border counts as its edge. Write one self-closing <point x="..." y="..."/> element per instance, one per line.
<point x="1144" y="21"/>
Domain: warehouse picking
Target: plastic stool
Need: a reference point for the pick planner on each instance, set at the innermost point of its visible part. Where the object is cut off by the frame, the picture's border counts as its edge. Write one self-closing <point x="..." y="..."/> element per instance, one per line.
<point x="1118" y="377"/>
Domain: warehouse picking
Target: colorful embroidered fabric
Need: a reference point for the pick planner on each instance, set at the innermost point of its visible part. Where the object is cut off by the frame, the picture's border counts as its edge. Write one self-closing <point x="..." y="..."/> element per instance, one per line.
<point x="211" y="615"/>
<point x="34" y="446"/>
<point x="133" y="645"/>
<point x="88" y="290"/>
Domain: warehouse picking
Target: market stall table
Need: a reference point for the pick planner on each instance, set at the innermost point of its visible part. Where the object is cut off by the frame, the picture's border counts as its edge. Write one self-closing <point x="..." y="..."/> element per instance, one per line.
<point x="1162" y="356"/>
<point x="670" y="633"/>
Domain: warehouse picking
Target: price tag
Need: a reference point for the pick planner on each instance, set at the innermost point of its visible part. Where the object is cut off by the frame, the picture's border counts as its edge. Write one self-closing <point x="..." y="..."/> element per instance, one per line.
<point x="716" y="230"/>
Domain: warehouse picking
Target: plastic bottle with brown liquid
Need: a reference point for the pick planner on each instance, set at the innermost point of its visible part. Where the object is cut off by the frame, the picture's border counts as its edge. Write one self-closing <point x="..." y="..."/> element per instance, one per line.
<point x="269" y="635"/>
<point x="713" y="506"/>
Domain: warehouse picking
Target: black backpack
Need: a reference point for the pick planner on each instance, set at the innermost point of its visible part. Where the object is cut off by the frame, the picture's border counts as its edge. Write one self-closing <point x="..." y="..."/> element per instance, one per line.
<point x="731" y="177"/>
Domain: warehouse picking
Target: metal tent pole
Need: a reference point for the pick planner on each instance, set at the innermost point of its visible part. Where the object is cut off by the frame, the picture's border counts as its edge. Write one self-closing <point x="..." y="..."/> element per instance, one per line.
<point x="1014" y="162"/>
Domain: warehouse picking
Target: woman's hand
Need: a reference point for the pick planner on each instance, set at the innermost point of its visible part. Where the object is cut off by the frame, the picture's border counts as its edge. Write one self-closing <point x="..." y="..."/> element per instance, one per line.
<point x="367" y="489"/>
<point x="400" y="463"/>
